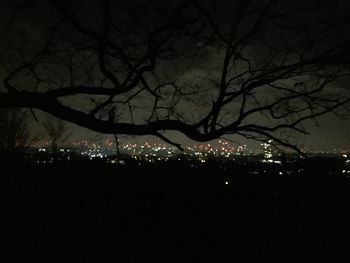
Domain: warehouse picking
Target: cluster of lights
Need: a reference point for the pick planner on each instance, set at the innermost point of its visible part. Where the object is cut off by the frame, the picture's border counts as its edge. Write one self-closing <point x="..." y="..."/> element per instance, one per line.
<point x="203" y="151"/>
<point x="200" y="154"/>
<point x="153" y="152"/>
<point x="93" y="151"/>
<point x="346" y="171"/>
<point x="271" y="161"/>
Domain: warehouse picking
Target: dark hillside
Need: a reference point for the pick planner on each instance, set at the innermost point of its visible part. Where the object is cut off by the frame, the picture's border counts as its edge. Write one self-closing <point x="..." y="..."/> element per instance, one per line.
<point x="92" y="211"/>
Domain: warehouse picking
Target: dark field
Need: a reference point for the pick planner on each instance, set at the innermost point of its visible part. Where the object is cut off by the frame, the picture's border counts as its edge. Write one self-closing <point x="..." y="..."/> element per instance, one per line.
<point x="93" y="212"/>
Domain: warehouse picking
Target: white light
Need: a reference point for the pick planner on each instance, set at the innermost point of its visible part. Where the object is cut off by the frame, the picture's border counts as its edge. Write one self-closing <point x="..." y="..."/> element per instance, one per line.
<point x="226" y="183"/>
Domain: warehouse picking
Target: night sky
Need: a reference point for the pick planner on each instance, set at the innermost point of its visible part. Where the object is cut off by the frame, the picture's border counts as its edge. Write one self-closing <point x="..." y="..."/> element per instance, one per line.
<point x="26" y="24"/>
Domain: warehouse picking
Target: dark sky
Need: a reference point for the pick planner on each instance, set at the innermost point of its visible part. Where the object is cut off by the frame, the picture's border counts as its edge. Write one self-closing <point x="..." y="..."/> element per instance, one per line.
<point x="29" y="19"/>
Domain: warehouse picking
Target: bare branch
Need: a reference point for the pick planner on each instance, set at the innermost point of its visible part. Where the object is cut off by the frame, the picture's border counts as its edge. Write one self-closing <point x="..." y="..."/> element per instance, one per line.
<point x="252" y="68"/>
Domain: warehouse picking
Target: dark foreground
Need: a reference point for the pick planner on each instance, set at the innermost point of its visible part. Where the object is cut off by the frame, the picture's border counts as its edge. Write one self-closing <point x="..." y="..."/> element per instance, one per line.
<point x="96" y="213"/>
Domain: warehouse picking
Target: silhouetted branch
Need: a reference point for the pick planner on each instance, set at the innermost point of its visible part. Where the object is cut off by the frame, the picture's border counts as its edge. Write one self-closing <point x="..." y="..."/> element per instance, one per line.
<point x="177" y="145"/>
<point x="251" y="68"/>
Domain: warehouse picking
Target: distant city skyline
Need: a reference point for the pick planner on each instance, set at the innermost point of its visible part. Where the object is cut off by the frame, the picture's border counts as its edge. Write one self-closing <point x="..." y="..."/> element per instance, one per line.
<point x="322" y="138"/>
<point x="332" y="133"/>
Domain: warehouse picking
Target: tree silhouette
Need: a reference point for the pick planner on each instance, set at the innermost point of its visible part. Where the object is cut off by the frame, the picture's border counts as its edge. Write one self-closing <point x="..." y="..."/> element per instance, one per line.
<point x="257" y="69"/>
<point x="57" y="132"/>
<point x="14" y="132"/>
